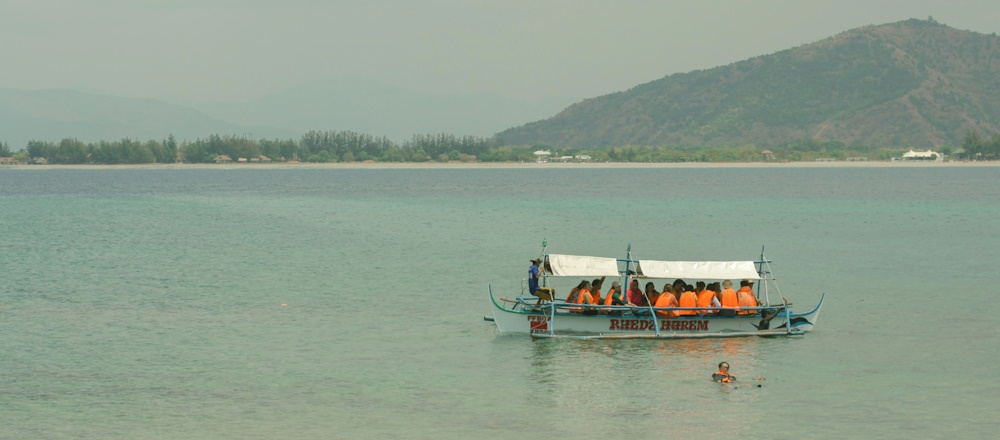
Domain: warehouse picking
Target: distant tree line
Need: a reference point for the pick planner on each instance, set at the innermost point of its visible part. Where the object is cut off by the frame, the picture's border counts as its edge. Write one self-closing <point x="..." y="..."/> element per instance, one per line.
<point x="314" y="146"/>
<point x="125" y="151"/>
<point x="349" y="146"/>
<point x="978" y="147"/>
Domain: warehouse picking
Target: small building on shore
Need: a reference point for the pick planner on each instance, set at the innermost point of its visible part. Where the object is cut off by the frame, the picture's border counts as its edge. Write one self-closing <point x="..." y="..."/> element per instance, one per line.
<point x="223" y="159"/>
<point x="922" y="155"/>
<point x="767" y="155"/>
<point x="542" y="156"/>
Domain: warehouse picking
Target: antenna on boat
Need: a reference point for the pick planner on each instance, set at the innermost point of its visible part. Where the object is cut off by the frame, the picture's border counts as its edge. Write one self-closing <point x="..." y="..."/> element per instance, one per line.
<point x="628" y="262"/>
<point x="544" y="257"/>
<point x="764" y="271"/>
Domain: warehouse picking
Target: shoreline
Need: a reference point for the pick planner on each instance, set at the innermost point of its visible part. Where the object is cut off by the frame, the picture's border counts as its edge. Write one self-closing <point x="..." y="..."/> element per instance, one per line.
<point x="504" y="165"/>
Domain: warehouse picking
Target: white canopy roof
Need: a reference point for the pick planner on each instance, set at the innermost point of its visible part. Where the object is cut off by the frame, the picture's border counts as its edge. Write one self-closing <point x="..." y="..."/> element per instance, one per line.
<point x="698" y="270"/>
<point x="580" y="266"/>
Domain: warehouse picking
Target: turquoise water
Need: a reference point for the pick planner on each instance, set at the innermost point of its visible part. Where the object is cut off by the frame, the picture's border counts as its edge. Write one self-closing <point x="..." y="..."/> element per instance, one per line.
<point x="149" y="303"/>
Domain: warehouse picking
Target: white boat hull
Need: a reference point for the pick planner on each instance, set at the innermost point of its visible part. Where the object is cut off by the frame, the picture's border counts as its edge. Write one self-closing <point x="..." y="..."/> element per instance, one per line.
<point x="542" y="323"/>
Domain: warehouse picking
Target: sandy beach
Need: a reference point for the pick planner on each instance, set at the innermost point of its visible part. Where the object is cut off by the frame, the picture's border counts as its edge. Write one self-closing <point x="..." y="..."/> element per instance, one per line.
<point x="508" y="165"/>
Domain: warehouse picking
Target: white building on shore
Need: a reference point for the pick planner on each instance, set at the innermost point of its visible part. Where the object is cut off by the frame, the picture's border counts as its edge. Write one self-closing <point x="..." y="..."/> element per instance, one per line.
<point x="542" y="156"/>
<point x="922" y="155"/>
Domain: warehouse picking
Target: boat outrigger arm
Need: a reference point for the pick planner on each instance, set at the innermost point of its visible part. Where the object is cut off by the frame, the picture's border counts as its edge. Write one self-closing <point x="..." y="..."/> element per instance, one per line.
<point x="544" y="318"/>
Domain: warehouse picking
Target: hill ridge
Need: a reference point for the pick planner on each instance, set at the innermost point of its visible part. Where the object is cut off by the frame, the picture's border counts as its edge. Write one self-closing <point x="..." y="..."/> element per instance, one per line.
<point x="911" y="83"/>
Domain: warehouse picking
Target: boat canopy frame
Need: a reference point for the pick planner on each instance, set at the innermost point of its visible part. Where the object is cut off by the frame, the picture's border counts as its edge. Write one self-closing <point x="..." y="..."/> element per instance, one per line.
<point x="566" y="265"/>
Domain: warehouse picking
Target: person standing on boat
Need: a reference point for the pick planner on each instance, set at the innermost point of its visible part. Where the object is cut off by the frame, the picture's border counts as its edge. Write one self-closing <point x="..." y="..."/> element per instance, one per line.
<point x="745" y="297"/>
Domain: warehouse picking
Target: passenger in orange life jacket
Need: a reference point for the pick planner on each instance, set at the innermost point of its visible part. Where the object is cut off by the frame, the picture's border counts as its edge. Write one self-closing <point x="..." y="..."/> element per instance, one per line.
<point x="574" y="296"/>
<point x="678" y="286"/>
<point x="717" y="288"/>
<point x="706" y="299"/>
<point x="728" y="299"/>
<point x="584" y="298"/>
<point x="648" y="298"/>
<point x="587" y="298"/>
<point x="688" y="299"/>
<point x="651" y="293"/>
<point x="595" y="290"/>
<point x="745" y="297"/>
<point x="615" y="297"/>
<point x="667" y="299"/>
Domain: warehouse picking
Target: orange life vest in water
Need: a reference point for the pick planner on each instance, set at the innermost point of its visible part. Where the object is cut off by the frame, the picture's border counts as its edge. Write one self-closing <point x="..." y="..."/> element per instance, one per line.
<point x="723" y="377"/>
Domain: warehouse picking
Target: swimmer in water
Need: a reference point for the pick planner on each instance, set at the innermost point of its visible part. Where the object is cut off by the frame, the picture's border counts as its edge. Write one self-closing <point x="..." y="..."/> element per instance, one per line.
<point x="723" y="376"/>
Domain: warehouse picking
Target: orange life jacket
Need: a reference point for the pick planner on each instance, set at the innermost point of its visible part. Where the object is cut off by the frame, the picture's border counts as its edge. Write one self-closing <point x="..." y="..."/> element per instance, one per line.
<point x="723" y="377"/>
<point x="746" y="299"/>
<point x="596" y="296"/>
<point x="666" y="300"/>
<point x="609" y="300"/>
<point x="705" y="299"/>
<point x="573" y="295"/>
<point x="728" y="299"/>
<point x="583" y="298"/>
<point x="652" y="298"/>
<point x="688" y="299"/>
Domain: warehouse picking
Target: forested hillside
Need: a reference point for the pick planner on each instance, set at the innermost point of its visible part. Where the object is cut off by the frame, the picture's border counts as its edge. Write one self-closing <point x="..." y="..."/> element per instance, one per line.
<point x="908" y="84"/>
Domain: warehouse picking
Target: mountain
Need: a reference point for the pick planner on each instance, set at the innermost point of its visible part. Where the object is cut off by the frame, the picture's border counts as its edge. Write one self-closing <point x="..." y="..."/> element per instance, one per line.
<point x="372" y="107"/>
<point x="908" y="84"/>
<point x="52" y="115"/>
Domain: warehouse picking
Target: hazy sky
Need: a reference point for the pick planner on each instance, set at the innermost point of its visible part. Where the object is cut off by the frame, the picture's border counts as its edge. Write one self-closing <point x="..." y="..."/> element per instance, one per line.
<point x="233" y="49"/>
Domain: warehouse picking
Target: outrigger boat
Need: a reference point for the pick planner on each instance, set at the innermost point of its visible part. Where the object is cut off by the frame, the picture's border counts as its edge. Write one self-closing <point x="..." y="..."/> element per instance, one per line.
<point x="543" y="316"/>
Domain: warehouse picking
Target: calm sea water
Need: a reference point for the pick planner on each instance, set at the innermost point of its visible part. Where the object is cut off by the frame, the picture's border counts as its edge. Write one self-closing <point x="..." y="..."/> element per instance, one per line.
<point x="151" y="303"/>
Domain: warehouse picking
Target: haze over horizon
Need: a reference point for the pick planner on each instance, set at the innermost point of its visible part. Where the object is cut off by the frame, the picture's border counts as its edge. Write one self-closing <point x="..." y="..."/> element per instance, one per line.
<point x="230" y="50"/>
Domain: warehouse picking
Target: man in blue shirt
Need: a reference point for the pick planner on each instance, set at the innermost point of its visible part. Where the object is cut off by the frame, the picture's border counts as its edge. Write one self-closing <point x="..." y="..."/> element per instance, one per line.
<point x="533" y="274"/>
